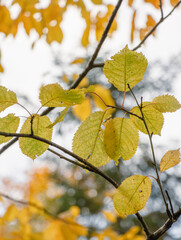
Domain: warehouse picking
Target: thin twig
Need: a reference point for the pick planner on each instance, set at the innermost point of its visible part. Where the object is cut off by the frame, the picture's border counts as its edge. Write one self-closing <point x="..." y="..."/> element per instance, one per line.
<point x="96" y="170"/>
<point x="169" y="199"/>
<point x="70" y="160"/>
<point x="152" y="150"/>
<point x="154" y="28"/>
<point x="103" y="37"/>
<point x="145" y="227"/>
<point x="161" y="9"/>
<point x="34" y="205"/>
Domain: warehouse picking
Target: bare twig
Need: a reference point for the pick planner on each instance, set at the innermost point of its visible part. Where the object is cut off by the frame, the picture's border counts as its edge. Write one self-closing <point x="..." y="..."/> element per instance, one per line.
<point x="171" y="206"/>
<point x="70" y="160"/>
<point x="161" y="9"/>
<point x="159" y="22"/>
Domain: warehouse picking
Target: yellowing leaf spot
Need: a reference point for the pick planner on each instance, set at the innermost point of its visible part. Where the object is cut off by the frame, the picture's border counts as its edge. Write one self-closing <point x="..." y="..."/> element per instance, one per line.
<point x="132" y="195"/>
<point x="170" y="159"/>
<point x="125" y="67"/>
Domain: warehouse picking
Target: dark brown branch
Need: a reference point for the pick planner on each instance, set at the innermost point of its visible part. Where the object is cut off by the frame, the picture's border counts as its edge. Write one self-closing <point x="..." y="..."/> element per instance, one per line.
<point x="145" y="227"/>
<point x="155" y="27"/>
<point x="95" y="169"/>
<point x="103" y="37"/>
<point x="71" y="161"/>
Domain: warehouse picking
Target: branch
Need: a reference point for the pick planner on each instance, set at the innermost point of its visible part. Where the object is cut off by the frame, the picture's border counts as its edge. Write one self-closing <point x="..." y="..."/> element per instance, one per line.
<point x="162" y="19"/>
<point x="34" y="205"/>
<point x="152" y="150"/>
<point x="85" y="162"/>
<point x="103" y="37"/>
<point x="145" y="227"/>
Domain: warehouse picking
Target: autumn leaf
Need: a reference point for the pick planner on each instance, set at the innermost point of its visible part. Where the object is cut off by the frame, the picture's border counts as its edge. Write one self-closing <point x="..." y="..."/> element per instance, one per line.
<point x="132" y="195"/>
<point x="174" y="2"/>
<point x="154" y="119"/>
<point x="166" y="103"/>
<point x="125" y="67"/>
<point x="83" y="110"/>
<point x="170" y="159"/>
<point x="110" y="216"/>
<point x="155" y="3"/>
<point x="120" y="138"/>
<point x="133" y="26"/>
<point x="53" y="95"/>
<point x="88" y="141"/>
<point x="32" y="147"/>
<point x="7" y="98"/>
<point x="60" y="118"/>
<point x="8" y="124"/>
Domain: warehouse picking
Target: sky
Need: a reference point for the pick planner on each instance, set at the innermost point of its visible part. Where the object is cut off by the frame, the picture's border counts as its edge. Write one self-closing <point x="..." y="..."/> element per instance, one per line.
<point x="26" y="69"/>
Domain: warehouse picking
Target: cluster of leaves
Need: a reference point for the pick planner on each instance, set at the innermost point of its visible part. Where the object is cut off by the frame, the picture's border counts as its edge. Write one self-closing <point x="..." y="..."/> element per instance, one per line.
<point x="29" y="219"/>
<point x="99" y="138"/>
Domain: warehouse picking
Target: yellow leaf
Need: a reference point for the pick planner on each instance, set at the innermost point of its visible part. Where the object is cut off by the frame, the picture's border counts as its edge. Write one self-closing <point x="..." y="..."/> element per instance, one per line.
<point x="120" y="138"/>
<point x="132" y="234"/>
<point x="1" y="68"/>
<point x="97" y="1"/>
<point x="132" y="195"/>
<point x="110" y="216"/>
<point x="11" y="213"/>
<point x="85" y="37"/>
<point x="130" y="2"/>
<point x="155" y="3"/>
<point x="105" y="94"/>
<point x="78" y="61"/>
<point x="8" y="124"/>
<point x="87" y="141"/>
<point x="60" y="118"/>
<point x="174" y="2"/>
<point x="32" y="147"/>
<point x="133" y="26"/>
<point x="54" y="34"/>
<point x="53" y="95"/>
<point x="170" y="159"/>
<point x="7" y="98"/>
<point x="83" y="110"/>
<point x="154" y="119"/>
<point x="166" y="103"/>
<point x="125" y="67"/>
<point x="5" y="20"/>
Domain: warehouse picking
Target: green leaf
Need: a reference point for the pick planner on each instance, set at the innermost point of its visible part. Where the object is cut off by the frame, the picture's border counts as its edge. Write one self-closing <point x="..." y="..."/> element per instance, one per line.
<point x="132" y="195"/>
<point x="8" y="124"/>
<point x="170" y="159"/>
<point x="125" y="67"/>
<point x="7" y="98"/>
<point x="53" y="95"/>
<point x="166" y="103"/>
<point x="121" y="138"/>
<point x="60" y="118"/>
<point x="154" y="119"/>
<point x="32" y="147"/>
<point x="88" y="140"/>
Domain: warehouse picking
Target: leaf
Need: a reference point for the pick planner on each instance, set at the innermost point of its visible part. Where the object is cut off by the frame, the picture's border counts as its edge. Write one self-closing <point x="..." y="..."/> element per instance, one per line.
<point x="155" y="3"/>
<point x="166" y="103"/>
<point x="8" y="124"/>
<point x="154" y="119"/>
<point x="126" y="67"/>
<point x="7" y="98"/>
<point x="32" y="147"/>
<point x="87" y="141"/>
<point x="85" y="37"/>
<point x="120" y="138"/>
<point x="105" y="94"/>
<point x="83" y="110"/>
<point x="133" y="26"/>
<point x="110" y="216"/>
<point x="132" y="195"/>
<point x="97" y="1"/>
<point x="53" y="95"/>
<point x="11" y="213"/>
<point x="78" y="61"/>
<point x="60" y="118"/>
<point x="170" y="159"/>
<point x="174" y="2"/>
<point x="54" y="34"/>
<point x="130" y="2"/>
